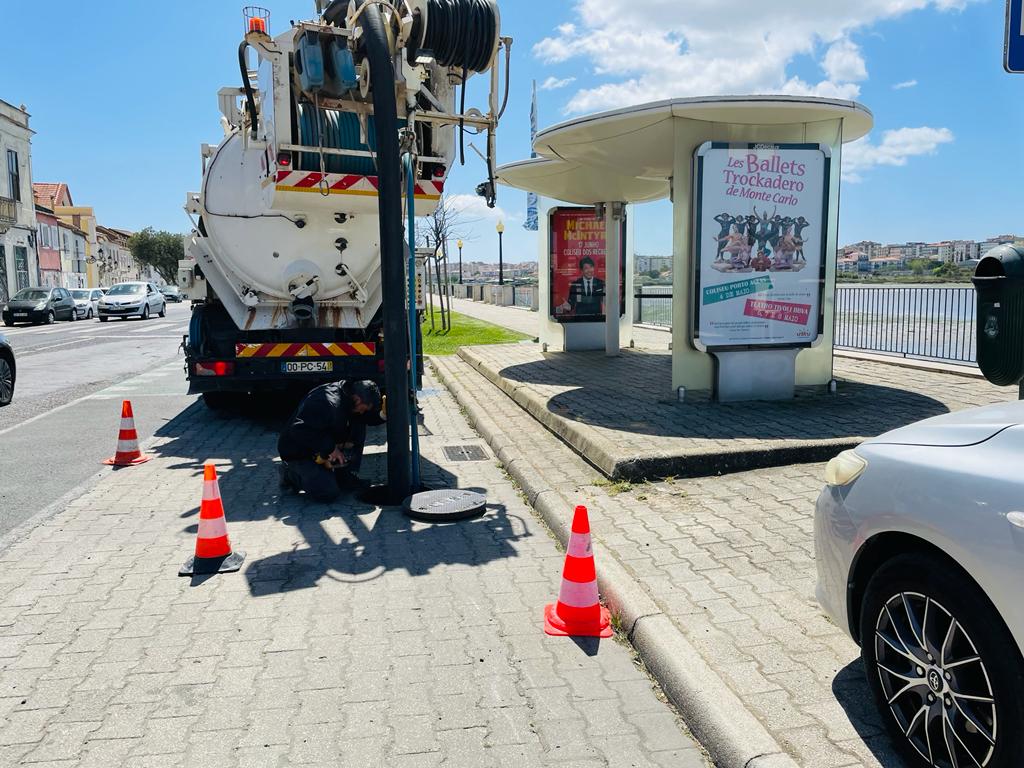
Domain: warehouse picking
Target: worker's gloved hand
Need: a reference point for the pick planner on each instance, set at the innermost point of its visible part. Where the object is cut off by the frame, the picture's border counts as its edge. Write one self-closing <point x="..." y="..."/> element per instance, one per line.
<point x="337" y="458"/>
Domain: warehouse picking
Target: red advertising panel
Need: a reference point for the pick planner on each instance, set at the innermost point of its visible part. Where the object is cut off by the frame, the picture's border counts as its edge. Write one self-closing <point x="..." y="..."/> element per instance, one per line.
<point x="578" y="269"/>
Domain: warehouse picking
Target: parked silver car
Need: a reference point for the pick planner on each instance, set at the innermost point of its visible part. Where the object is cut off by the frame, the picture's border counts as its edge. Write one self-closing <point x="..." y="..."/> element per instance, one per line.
<point x="87" y="302"/>
<point x="920" y="550"/>
<point x="126" y="300"/>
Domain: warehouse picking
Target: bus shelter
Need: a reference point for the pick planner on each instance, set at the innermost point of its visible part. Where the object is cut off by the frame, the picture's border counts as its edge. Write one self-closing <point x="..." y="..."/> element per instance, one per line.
<point x="754" y="185"/>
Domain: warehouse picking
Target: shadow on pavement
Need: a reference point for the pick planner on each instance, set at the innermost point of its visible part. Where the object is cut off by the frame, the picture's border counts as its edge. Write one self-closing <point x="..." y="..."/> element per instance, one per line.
<point x="854" y="695"/>
<point x="243" y="444"/>
<point x="630" y="394"/>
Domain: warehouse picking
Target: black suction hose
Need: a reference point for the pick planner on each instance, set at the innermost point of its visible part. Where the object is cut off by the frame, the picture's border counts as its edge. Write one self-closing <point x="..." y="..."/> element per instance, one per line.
<point x="396" y="335"/>
<point x="250" y="99"/>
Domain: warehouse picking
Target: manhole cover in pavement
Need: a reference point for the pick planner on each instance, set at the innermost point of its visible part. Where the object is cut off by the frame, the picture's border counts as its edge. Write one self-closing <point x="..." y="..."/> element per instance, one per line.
<point x="464" y="453"/>
<point x="444" y="506"/>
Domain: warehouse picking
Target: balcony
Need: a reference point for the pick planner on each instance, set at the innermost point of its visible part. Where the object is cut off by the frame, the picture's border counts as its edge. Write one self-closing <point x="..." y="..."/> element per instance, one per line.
<point x="8" y="213"/>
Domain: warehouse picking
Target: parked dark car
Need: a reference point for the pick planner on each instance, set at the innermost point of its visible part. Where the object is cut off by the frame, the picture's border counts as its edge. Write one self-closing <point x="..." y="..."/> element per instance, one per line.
<point x="8" y="371"/>
<point x="39" y="305"/>
<point x="172" y="294"/>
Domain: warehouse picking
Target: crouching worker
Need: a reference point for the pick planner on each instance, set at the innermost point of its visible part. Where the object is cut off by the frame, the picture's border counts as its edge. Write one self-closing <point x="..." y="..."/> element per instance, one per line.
<point x="322" y="446"/>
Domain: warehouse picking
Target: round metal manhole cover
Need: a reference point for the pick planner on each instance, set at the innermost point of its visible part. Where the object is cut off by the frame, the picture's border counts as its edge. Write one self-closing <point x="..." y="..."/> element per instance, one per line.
<point x="444" y="506"/>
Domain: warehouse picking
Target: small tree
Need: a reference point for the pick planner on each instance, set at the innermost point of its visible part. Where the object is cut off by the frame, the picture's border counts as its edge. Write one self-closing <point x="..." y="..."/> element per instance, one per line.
<point x="160" y="250"/>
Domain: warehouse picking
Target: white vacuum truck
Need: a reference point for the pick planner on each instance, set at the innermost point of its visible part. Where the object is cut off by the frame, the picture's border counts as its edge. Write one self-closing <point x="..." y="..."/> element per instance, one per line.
<point x="298" y="256"/>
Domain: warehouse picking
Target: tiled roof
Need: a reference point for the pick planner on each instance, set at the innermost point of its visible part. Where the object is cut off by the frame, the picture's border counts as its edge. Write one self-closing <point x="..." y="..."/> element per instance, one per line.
<point x="51" y="194"/>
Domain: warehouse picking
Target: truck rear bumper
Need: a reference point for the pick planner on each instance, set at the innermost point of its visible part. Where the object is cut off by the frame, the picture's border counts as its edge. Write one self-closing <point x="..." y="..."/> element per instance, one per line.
<point x="270" y="374"/>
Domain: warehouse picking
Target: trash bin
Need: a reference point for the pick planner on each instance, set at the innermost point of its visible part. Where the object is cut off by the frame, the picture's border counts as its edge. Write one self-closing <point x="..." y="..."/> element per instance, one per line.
<point x="999" y="282"/>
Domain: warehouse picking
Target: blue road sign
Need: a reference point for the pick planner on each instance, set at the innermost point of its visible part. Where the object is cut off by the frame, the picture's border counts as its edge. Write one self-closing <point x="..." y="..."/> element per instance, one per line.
<point x="1013" y="59"/>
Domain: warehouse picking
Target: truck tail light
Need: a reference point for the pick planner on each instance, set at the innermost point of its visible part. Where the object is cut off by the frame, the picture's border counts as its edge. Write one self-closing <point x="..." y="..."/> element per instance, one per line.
<point x="380" y="365"/>
<point x="284" y="159"/>
<point x="218" y="368"/>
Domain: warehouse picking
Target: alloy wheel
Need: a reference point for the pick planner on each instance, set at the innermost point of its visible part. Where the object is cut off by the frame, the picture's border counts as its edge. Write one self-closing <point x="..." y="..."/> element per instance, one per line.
<point x="936" y="684"/>
<point x="6" y="381"/>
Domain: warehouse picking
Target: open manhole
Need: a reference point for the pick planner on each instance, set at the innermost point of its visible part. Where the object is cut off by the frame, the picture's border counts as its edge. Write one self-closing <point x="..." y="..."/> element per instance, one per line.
<point x="464" y="453"/>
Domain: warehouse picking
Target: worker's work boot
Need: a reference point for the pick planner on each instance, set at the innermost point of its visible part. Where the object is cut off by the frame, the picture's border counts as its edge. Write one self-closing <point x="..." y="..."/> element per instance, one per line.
<point x="284" y="478"/>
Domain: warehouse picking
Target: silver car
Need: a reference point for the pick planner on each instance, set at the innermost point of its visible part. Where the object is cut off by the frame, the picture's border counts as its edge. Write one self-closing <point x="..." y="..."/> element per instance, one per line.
<point x="87" y="302"/>
<point x="920" y="550"/>
<point x="126" y="300"/>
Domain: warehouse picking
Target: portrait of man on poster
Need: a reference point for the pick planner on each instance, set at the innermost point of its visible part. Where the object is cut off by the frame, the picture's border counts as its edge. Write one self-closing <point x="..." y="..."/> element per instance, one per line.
<point x="586" y="293"/>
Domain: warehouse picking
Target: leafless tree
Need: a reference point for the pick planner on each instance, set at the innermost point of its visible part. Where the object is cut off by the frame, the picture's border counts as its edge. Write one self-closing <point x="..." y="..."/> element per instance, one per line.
<point x="447" y="223"/>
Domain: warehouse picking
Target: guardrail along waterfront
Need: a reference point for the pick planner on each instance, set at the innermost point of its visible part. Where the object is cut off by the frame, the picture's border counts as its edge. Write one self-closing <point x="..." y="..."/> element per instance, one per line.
<point x="919" y="322"/>
<point x="930" y="323"/>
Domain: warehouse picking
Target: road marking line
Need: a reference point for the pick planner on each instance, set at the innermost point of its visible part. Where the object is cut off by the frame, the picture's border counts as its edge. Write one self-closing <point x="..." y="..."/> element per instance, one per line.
<point x="101" y="395"/>
<point x="150" y="328"/>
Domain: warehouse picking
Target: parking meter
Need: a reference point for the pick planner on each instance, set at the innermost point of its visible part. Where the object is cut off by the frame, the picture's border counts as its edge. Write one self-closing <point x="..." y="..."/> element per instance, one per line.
<point x="999" y="282"/>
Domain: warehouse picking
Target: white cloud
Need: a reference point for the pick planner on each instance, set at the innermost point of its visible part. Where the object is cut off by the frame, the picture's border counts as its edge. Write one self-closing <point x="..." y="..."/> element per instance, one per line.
<point x="474" y="208"/>
<point x="895" y="149"/>
<point x="649" y="50"/>
<point x="553" y="83"/>
<point x="844" y="63"/>
<point x="904" y="84"/>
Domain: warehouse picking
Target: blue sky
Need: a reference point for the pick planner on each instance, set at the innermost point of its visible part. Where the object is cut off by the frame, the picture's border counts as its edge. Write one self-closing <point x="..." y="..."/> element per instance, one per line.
<point x="122" y="103"/>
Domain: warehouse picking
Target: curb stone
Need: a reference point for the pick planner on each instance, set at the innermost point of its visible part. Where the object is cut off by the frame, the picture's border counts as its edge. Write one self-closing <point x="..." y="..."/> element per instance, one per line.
<point x="733" y="736"/>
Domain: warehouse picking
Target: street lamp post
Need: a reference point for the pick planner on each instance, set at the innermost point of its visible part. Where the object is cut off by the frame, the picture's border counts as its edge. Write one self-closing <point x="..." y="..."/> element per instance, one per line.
<point x="501" y="255"/>
<point x="459" y="244"/>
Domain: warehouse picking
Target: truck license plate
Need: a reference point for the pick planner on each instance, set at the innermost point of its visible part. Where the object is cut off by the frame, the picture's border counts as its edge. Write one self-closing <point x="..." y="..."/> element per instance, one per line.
<point x="308" y="366"/>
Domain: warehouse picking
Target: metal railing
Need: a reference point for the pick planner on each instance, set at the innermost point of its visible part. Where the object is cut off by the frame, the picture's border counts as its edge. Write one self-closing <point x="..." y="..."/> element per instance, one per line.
<point x="522" y="296"/>
<point x="930" y="323"/>
<point x="919" y="322"/>
<point x="653" y="305"/>
<point x="8" y="213"/>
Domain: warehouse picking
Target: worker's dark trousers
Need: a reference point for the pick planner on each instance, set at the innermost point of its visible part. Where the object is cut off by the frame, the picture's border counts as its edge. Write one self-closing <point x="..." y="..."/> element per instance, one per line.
<point x="321" y="483"/>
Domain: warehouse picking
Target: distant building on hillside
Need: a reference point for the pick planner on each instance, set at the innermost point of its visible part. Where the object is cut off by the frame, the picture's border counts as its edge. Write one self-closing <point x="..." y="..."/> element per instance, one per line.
<point x="653" y="264"/>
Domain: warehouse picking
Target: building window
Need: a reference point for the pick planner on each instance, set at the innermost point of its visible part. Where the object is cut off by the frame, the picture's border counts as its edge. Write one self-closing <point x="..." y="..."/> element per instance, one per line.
<point x="13" y="175"/>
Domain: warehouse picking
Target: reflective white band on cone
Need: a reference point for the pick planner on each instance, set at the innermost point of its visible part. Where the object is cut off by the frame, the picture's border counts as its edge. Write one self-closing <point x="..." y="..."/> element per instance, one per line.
<point x="576" y="595"/>
<point x="211" y="490"/>
<point x="579" y="545"/>
<point x="128" y="446"/>
<point x="213" y="529"/>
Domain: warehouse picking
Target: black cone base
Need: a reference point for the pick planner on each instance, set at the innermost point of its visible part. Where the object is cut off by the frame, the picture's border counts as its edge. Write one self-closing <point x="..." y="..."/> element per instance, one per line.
<point x="202" y="566"/>
<point x="444" y="506"/>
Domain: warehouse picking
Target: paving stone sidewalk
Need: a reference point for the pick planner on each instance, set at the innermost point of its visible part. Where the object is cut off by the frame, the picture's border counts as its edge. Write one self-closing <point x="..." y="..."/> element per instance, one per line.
<point x="353" y="637"/>
<point x="731" y="561"/>
<point x="620" y="414"/>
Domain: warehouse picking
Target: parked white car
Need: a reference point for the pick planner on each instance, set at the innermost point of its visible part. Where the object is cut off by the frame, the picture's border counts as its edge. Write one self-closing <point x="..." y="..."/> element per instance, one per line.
<point x="126" y="300"/>
<point x="87" y="302"/>
<point x="920" y="550"/>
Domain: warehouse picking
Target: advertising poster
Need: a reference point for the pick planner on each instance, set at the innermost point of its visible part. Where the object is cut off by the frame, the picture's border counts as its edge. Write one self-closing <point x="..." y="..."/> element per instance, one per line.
<point x="760" y="222"/>
<point x="578" y="270"/>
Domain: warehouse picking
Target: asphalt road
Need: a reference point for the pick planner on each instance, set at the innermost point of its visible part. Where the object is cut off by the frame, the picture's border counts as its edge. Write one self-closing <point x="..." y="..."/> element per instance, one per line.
<point x="66" y="412"/>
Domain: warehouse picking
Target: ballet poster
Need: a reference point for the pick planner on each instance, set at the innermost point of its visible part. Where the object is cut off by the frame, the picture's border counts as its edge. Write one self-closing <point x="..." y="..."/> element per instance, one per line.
<point x="760" y="223"/>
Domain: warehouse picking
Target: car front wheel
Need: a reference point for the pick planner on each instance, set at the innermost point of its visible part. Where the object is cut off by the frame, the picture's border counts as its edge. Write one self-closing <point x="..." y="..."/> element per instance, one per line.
<point x="50" y="317"/>
<point x="6" y="381"/>
<point x="945" y="671"/>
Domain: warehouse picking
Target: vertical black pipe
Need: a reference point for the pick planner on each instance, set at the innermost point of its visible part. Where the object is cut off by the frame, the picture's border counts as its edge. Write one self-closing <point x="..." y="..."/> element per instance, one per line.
<point x="392" y="253"/>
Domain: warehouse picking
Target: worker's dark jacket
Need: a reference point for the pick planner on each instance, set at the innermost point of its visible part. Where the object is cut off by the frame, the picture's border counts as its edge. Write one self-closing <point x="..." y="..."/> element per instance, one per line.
<point x="322" y="422"/>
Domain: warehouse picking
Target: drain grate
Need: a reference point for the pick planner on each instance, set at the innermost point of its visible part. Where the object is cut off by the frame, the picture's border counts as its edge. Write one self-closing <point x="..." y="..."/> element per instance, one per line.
<point x="464" y="453"/>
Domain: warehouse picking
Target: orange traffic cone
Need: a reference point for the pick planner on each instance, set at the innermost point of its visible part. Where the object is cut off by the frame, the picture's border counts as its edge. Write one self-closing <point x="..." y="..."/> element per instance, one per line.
<point x="128" y="453"/>
<point x="578" y="613"/>
<point x="213" y="550"/>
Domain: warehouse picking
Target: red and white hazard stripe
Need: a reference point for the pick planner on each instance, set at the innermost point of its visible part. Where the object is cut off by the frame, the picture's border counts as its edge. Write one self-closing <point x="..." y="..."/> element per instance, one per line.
<point x="347" y="184"/>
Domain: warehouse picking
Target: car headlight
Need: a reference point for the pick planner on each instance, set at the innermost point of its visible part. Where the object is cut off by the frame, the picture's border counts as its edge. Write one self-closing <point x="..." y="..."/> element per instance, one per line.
<point x="40" y="306"/>
<point x="845" y="468"/>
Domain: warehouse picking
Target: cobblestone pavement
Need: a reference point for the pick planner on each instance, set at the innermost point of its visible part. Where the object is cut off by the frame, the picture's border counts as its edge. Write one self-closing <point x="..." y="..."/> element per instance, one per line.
<point x="353" y="637"/>
<point x="731" y="560"/>
<point x="529" y="323"/>
<point x="618" y="412"/>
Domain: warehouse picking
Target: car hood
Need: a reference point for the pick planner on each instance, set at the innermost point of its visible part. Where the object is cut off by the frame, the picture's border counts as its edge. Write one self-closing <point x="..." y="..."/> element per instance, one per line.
<point x="959" y="429"/>
<point x="24" y="303"/>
